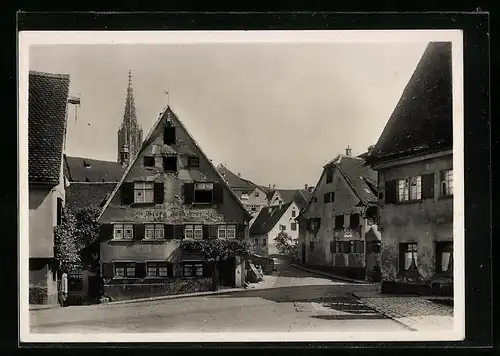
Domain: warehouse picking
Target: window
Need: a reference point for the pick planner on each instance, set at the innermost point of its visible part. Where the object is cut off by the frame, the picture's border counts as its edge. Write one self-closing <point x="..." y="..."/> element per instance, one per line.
<point x="203" y="193"/>
<point x="144" y="192"/>
<point x="169" y="135"/>
<point x="193" y="269"/>
<point x="59" y="210"/>
<point x="124" y="270"/>
<point x="344" y="247"/>
<point x="253" y="208"/>
<point x="293" y="226"/>
<point x="408" y="256"/>
<point x="282" y="227"/>
<point x="294" y="213"/>
<point x="339" y="221"/>
<point x="188" y="232"/>
<point x="329" y="176"/>
<point x="329" y="197"/>
<point x="198" y="232"/>
<point x="231" y="231"/>
<point x="170" y="164"/>
<point x="410" y="188"/>
<point x="357" y="246"/>
<point x="256" y="241"/>
<point x="264" y="241"/>
<point x="149" y="161"/>
<point x="149" y="231"/>
<point x="315" y="199"/>
<point x="314" y="224"/>
<point x="159" y="231"/>
<point x="256" y="194"/>
<point x="354" y="221"/>
<point x="444" y="257"/>
<point x="311" y="246"/>
<point x="193" y="162"/>
<point x="123" y="231"/>
<point x="447" y="183"/>
<point x="333" y="247"/>
<point x="221" y="233"/>
<point x="157" y="269"/>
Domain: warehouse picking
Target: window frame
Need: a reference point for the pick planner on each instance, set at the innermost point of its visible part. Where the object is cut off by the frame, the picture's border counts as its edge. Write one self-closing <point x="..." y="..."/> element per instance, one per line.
<point x="293" y="226"/>
<point x="446" y="182"/>
<point x="311" y="246"/>
<point x="197" y="188"/>
<point x="126" y="266"/>
<point x="123" y="226"/>
<point x="232" y="228"/>
<point x="443" y="247"/>
<point x="221" y="227"/>
<point x="159" y="227"/>
<point x="198" y="229"/>
<point x="149" y="158"/>
<point x="404" y="191"/>
<point x="159" y="265"/>
<point x="337" y="218"/>
<point x="189" y="228"/>
<point x="172" y="158"/>
<point x="149" y="227"/>
<point x="282" y="227"/>
<point x="404" y="248"/>
<point x="192" y="159"/>
<point x="144" y="188"/>
<point x="329" y="176"/>
<point x="194" y="265"/>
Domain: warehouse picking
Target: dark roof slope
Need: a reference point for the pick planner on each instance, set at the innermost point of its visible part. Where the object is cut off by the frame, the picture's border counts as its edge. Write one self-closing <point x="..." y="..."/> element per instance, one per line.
<point x="233" y="180"/>
<point x="48" y="95"/>
<point x="302" y="198"/>
<point x="78" y="169"/>
<point x="81" y="195"/>
<point x="361" y="178"/>
<point x="422" y="119"/>
<point x="268" y="217"/>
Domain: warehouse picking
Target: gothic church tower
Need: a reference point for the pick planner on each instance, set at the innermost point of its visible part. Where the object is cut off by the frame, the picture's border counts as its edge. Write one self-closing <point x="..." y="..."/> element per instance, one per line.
<point x="130" y="133"/>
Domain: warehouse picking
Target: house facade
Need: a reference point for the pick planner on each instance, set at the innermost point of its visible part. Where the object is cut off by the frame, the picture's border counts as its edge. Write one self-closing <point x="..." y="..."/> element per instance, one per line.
<point x="269" y="223"/>
<point x="47" y="107"/>
<point x="414" y="160"/>
<point x="337" y="228"/>
<point x="169" y="192"/>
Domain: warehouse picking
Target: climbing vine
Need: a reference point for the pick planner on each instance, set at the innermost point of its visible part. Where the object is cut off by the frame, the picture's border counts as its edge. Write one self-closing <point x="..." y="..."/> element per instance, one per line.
<point x="218" y="250"/>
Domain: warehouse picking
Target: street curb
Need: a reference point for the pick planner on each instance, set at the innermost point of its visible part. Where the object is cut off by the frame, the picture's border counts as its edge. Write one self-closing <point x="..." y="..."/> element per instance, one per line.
<point x="43" y="307"/>
<point x="328" y="274"/>
<point x="177" y="296"/>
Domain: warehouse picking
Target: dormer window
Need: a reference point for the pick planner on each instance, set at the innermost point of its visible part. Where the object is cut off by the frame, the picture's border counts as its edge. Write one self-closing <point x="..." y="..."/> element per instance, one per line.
<point x="169" y="134"/>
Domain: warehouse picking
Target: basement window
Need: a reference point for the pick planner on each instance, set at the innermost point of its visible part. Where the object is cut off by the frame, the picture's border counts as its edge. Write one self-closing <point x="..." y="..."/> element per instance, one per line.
<point x="149" y="161"/>
<point x="170" y="164"/>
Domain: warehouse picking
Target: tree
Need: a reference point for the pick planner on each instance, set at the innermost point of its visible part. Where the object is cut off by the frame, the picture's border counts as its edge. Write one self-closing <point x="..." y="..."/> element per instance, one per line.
<point x="286" y="244"/>
<point x="218" y="250"/>
<point x="77" y="231"/>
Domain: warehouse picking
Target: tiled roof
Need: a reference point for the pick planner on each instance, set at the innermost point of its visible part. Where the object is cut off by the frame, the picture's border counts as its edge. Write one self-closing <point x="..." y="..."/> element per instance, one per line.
<point x="268" y="217"/>
<point x="302" y="198"/>
<point x="78" y="169"/>
<point x="422" y="119"/>
<point x="361" y="178"/>
<point x="81" y="195"/>
<point x="233" y="180"/>
<point x="299" y="196"/>
<point x="48" y="95"/>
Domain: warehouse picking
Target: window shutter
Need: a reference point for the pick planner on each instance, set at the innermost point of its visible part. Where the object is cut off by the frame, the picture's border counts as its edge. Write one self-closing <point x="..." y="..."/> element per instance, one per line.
<point x="390" y="192"/>
<point x="106" y="270"/>
<point x="241" y="231"/>
<point x="402" y="248"/>
<point x="188" y="193"/>
<point x="169" y="231"/>
<point x="139" y="231"/>
<point x="127" y="193"/>
<point x="140" y="269"/>
<point x="218" y="193"/>
<point x="159" y="193"/>
<point x="428" y="186"/>
<point x="206" y="232"/>
<point x="179" y="232"/>
<point x="319" y="223"/>
<point x="213" y="231"/>
<point x="105" y="232"/>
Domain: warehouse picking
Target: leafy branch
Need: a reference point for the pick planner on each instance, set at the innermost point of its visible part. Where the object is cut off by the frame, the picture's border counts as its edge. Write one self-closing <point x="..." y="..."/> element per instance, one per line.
<point x="286" y="244"/>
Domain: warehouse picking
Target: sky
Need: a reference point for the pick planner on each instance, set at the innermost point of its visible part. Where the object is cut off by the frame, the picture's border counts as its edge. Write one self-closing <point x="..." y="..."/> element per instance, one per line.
<point x="274" y="112"/>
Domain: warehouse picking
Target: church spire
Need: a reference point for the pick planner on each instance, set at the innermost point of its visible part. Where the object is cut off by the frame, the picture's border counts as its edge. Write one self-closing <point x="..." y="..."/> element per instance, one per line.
<point x="130" y="133"/>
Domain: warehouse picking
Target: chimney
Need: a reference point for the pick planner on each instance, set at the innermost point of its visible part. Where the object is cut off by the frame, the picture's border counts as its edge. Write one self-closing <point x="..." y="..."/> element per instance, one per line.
<point x="348" y="151"/>
<point x="274" y="186"/>
<point x="269" y="186"/>
<point x="239" y="175"/>
<point x="305" y="186"/>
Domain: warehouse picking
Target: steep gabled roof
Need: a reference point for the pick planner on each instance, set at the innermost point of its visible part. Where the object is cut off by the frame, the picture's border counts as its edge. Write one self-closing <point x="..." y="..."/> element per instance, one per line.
<point x="80" y="195"/>
<point x="79" y="169"/>
<point x="302" y="198"/>
<point x="422" y="120"/>
<point x="268" y="217"/>
<point x="299" y="196"/>
<point x="47" y="105"/>
<point x="147" y="142"/>
<point x="233" y="180"/>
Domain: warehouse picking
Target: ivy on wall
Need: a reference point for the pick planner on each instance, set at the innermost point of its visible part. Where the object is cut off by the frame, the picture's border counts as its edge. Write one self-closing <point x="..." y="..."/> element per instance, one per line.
<point x="218" y="250"/>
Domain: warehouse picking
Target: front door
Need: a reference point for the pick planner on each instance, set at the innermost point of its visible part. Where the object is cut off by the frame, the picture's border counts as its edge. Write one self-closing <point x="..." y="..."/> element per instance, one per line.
<point x="303" y="253"/>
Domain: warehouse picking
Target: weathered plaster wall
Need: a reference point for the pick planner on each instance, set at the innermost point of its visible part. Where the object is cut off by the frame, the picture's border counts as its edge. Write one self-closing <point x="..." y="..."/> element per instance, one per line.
<point x="423" y="222"/>
<point x="286" y="219"/>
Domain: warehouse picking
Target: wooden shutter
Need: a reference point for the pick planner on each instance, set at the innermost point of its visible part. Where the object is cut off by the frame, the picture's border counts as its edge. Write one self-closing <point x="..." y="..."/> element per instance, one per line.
<point x="206" y="232"/>
<point x="179" y="232"/>
<point x="106" y="270"/>
<point x="218" y="193"/>
<point x="428" y="186"/>
<point x="391" y="196"/>
<point x="127" y="193"/>
<point x="354" y="221"/>
<point x="319" y="223"/>
<point x="139" y="231"/>
<point x="169" y="231"/>
<point x="241" y="231"/>
<point x="159" y="193"/>
<point x="140" y="269"/>
<point x="188" y="193"/>
<point x="213" y="231"/>
<point x="105" y="232"/>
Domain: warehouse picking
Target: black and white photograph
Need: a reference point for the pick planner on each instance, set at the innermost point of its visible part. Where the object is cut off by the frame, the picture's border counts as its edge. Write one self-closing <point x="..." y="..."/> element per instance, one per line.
<point x="241" y="186"/>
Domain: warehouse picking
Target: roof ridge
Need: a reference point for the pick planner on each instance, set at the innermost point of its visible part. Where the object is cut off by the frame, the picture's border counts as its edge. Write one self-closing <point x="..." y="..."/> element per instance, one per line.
<point x="50" y="75"/>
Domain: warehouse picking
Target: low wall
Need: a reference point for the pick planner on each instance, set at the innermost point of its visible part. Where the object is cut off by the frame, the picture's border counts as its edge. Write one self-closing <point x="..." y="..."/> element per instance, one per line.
<point x="118" y="292"/>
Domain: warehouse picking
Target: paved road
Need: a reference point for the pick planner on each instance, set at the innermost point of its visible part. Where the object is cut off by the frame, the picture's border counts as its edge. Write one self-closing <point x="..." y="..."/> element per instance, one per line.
<point x="293" y="304"/>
